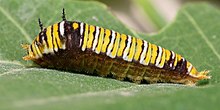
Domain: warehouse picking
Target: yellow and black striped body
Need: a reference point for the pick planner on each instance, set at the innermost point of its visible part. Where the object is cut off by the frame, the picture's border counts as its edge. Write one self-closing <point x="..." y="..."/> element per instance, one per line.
<point x="85" y="48"/>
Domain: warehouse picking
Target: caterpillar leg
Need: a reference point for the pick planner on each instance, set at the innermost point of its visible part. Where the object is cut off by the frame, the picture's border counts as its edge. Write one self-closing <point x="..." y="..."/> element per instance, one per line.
<point x="135" y="73"/>
<point x="119" y="71"/>
<point x="104" y="66"/>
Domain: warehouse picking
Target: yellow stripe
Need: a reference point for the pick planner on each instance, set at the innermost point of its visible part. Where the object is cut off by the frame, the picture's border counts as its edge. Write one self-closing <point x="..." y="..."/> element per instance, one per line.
<point x="106" y="40"/>
<point x="91" y="36"/>
<point x="194" y="71"/>
<point x="40" y="47"/>
<point x="188" y="64"/>
<point x="122" y="45"/>
<point x="132" y="49"/>
<point x="139" y="49"/>
<point x="30" y="53"/>
<point x="175" y="62"/>
<point x="101" y="35"/>
<point x="34" y="50"/>
<point x="162" y="62"/>
<point x="154" y="54"/>
<point x="75" y="26"/>
<point x="38" y="51"/>
<point x="115" y="48"/>
<point x="37" y="39"/>
<point x="148" y="57"/>
<point x="179" y="57"/>
<point x="56" y="35"/>
<point x="167" y="55"/>
<point x="85" y="37"/>
<point x="49" y="38"/>
<point x="54" y="38"/>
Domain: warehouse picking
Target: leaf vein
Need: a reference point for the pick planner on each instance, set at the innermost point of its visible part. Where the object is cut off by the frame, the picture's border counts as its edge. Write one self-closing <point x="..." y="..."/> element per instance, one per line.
<point x="42" y="101"/>
<point x="125" y="92"/>
<point x="204" y="37"/>
<point x="11" y="62"/>
<point x="22" y="30"/>
<point x="12" y="71"/>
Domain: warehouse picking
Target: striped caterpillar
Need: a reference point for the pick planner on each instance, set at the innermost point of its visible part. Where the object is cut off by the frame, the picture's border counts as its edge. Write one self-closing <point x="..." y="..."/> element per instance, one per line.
<point x="77" y="46"/>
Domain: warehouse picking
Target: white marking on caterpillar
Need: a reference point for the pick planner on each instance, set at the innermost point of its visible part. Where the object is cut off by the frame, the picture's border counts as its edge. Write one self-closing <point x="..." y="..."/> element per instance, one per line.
<point x="81" y="32"/>
<point x="189" y="69"/>
<point x="96" y="38"/>
<point x="143" y="54"/>
<point x="56" y="49"/>
<point x="116" y="47"/>
<point x="125" y="57"/>
<point x="159" y="57"/>
<point x="133" y="51"/>
<point x="173" y="56"/>
<point x="62" y="28"/>
<point x="111" y="44"/>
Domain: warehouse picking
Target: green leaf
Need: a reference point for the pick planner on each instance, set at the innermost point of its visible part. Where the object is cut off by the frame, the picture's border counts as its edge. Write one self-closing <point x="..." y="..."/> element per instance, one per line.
<point x="194" y="34"/>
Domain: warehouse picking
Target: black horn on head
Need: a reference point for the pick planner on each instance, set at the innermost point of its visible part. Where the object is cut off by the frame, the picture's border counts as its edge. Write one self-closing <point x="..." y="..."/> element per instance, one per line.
<point x="63" y="16"/>
<point x="40" y="24"/>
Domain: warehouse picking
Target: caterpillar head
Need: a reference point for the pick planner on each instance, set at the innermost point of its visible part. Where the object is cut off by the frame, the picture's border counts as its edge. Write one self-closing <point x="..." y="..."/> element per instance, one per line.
<point x="48" y="41"/>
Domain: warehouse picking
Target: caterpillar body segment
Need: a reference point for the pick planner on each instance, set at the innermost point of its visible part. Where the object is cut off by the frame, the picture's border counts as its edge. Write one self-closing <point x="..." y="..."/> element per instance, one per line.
<point x="77" y="46"/>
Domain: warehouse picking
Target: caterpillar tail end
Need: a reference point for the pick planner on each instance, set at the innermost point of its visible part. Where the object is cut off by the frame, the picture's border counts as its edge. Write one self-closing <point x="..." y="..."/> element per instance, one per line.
<point x="25" y="46"/>
<point x="203" y="75"/>
<point x="27" y="57"/>
<point x="30" y="56"/>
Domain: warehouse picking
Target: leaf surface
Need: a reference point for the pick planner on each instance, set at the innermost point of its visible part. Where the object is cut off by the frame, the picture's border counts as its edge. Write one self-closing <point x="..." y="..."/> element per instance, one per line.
<point x="194" y="34"/>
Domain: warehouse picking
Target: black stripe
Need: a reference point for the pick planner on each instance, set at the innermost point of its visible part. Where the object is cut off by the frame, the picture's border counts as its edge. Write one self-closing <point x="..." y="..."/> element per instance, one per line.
<point x="157" y="55"/>
<point x="58" y="34"/>
<point x="163" y="52"/>
<point x="93" y="36"/>
<point x="52" y="37"/>
<point x="127" y="43"/>
<point x="45" y="36"/>
<point x="115" y="41"/>
<point x="183" y="68"/>
<point x="31" y="48"/>
<point x="82" y="35"/>
<point x="98" y="37"/>
<point x="110" y="37"/>
<point x="178" y="66"/>
<point x="142" y="48"/>
<point x="147" y="50"/>
<point x="170" y="61"/>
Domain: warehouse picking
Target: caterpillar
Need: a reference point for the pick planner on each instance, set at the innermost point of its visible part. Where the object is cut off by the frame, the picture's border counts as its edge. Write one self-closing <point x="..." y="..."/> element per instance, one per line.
<point x="84" y="48"/>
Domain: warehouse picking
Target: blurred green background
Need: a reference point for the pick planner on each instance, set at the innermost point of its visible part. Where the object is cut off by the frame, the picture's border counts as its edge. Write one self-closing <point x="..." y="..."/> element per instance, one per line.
<point x="148" y="15"/>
